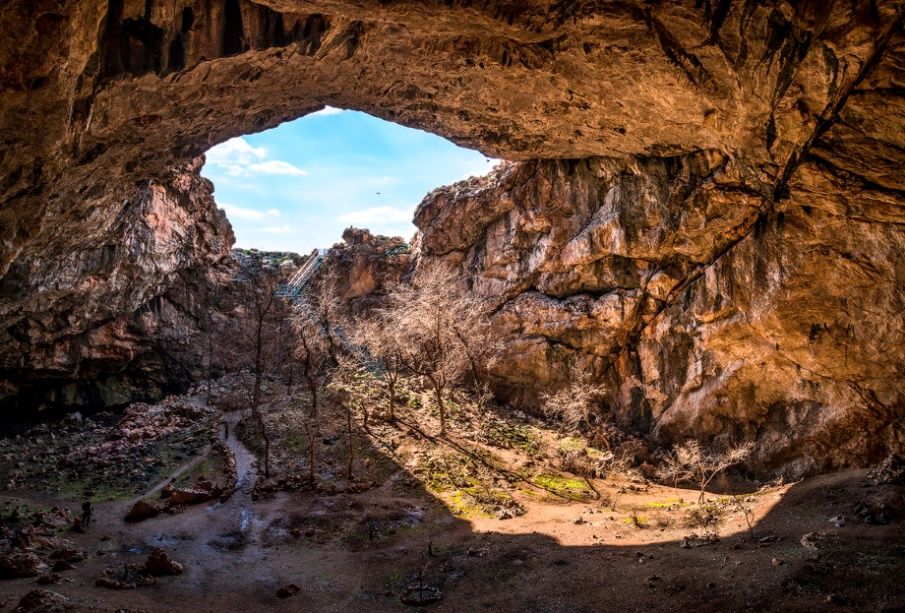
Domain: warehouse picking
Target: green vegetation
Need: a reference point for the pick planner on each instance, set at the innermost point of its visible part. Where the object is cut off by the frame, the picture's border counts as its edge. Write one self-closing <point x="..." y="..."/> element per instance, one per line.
<point x="566" y="487"/>
<point x="468" y="486"/>
<point x="510" y="436"/>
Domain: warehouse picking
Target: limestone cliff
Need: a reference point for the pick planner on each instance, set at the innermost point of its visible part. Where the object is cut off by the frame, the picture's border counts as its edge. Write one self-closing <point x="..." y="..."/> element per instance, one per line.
<point x="709" y="315"/>
<point x="100" y="324"/>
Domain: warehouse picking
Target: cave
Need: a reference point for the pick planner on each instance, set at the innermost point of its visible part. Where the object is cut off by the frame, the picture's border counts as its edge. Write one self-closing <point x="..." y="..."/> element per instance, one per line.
<point x="703" y="207"/>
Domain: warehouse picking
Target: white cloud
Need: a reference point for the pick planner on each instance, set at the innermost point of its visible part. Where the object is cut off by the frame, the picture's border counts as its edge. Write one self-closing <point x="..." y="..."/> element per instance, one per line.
<point x="277" y="167"/>
<point x="326" y="111"/>
<point x="238" y="212"/>
<point x="237" y="158"/>
<point x="377" y="215"/>
<point x="284" y="229"/>
<point x="378" y="181"/>
<point x="274" y="212"/>
<point x="235" y="152"/>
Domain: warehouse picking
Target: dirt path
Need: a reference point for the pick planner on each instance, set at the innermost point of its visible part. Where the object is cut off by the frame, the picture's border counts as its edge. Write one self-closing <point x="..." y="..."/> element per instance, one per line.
<point x="192" y="463"/>
<point x="245" y="460"/>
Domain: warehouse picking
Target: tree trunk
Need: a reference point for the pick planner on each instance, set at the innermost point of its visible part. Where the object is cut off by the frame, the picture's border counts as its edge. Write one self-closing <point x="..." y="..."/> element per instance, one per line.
<point x="266" y="451"/>
<point x="438" y="392"/>
<point x="351" y="442"/>
<point x="391" y="393"/>
<point x="475" y="375"/>
<point x="311" y="450"/>
<point x="256" y="393"/>
<point x="210" y="366"/>
<point x="312" y="388"/>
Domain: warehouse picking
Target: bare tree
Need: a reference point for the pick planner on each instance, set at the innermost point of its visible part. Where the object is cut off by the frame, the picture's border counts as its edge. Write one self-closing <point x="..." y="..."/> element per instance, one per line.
<point x="440" y="326"/>
<point x="323" y="308"/>
<point x="580" y="407"/>
<point x="317" y="322"/>
<point x="688" y="462"/>
<point x="576" y="404"/>
<point x="352" y="383"/>
<point x="383" y="347"/>
<point x="265" y="313"/>
<point x="311" y="354"/>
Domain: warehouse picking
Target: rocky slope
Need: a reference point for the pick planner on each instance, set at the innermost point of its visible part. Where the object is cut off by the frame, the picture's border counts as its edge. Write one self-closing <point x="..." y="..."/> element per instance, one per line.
<point x="710" y="208"/>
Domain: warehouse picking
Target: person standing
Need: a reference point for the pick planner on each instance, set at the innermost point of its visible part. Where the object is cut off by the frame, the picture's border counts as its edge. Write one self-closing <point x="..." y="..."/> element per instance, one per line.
<point x="86" y="513"/>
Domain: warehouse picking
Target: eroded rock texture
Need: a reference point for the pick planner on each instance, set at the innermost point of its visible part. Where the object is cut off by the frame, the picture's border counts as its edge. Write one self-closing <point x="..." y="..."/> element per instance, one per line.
<point x="709" y="315"/>
<point x="710" y="207"/>
<point x="366" y="267"/>
<point x="95" y="318"/>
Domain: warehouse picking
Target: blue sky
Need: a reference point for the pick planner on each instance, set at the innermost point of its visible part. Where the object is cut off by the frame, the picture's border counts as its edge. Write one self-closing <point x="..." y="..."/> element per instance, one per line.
<point x="298" y="186"/>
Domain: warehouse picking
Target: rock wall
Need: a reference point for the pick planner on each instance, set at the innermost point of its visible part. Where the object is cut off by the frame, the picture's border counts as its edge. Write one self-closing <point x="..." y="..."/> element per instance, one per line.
<point x="367" y="267"/>
<point x="710" y="207"/>
<point x="102" y="323"/>
<point x="709" y="314"/>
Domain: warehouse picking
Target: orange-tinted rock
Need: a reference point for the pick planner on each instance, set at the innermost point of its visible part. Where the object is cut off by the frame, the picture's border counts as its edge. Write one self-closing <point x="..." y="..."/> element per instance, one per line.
<point x="159" y="564"/>
<point x="141" y="511"/>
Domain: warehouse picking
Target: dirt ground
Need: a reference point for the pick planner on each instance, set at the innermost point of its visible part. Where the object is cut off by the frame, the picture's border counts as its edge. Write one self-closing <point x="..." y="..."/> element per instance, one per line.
<point x="490" y="520"/>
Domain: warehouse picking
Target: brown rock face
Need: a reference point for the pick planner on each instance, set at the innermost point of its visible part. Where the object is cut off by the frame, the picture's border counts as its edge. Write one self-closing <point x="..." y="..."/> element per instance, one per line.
<point x="710" y="314"/>
<point x="710" y="208"/>
<point x="367" y="266"/>
<point x="94" y="315"/>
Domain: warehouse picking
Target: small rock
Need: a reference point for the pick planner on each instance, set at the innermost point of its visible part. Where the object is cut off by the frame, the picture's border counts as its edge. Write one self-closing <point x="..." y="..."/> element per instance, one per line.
<point x="141" y="511"/>
<point x="420" y="596"/>
<point x="288" y="590"/>
<point x="810" y="540"/>
<point x="776" y="562"/>
<point x="160" y="563"/>
<point x="49" y="579"/>
<point x="45" y="601"/>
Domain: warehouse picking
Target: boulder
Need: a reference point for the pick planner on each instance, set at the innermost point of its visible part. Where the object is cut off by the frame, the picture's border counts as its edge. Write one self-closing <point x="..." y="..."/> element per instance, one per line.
<point x="188" y="497"/>
<point x="45" y="601"/>
<point x="141" y="511"/>
<point x="160" y="563"/>
<point x="17" y="564"/>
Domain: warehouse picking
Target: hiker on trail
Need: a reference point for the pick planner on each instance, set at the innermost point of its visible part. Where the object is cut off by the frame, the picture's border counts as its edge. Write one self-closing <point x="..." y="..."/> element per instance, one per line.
<point x="86" y="513"/>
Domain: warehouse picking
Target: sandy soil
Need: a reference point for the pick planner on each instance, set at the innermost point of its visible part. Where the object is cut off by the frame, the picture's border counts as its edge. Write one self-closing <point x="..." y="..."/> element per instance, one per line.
<point x="624" y="548"/>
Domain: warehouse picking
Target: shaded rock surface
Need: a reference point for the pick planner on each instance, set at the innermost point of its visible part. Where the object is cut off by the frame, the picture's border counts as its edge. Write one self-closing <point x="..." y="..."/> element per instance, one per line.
<point x="709" y="212"/>
<point x="159" y="564"/>
<point x="45" y="601"/>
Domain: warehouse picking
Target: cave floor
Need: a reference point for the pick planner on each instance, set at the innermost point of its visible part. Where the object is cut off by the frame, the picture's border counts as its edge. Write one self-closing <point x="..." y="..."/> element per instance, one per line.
<point x="506" y="530"/>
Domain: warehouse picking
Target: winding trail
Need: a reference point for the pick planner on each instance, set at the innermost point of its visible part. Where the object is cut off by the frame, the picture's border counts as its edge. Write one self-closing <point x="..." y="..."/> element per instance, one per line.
<point x="245" y="460"/>
<point x="221" y="539"/>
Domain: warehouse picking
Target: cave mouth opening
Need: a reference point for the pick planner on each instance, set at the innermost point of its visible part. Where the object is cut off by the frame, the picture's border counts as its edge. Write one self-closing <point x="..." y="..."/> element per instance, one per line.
<point x="296" y="187"/>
